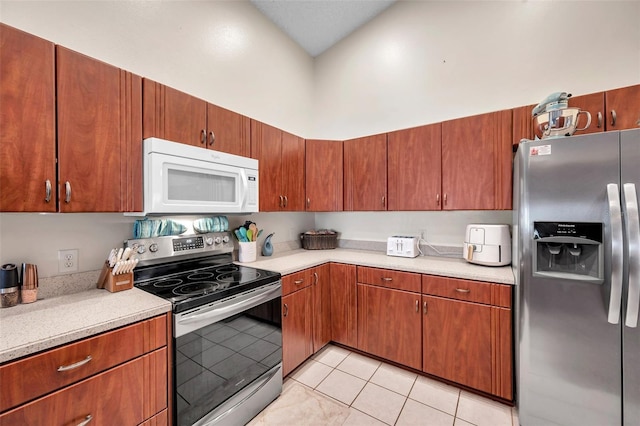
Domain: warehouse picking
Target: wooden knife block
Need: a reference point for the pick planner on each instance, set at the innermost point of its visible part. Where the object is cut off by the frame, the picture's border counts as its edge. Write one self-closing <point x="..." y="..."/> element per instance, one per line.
<point x="112" y="282"/>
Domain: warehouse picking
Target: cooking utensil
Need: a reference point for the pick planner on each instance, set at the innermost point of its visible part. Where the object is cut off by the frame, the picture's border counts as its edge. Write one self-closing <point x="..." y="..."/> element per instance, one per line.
<point x="250" y="235"/>
<point x="243" y="233"/>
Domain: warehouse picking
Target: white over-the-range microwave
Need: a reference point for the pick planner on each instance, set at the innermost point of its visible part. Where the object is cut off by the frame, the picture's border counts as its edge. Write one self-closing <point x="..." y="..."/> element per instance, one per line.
<point x="185" y="179"/>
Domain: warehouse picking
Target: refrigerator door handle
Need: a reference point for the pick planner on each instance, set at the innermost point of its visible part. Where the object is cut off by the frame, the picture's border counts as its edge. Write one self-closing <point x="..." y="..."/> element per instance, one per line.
<point x="615" y="214"/>
<point x="633" y="238"/>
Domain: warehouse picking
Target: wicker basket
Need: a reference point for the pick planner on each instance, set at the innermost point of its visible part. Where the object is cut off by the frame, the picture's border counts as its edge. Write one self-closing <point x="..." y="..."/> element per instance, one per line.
<point x="319" y="241"/>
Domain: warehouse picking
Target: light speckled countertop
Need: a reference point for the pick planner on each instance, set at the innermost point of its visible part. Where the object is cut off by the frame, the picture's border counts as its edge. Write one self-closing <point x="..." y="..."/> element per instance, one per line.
<point x="297" y="260"/>
<point x="30" y="328"/>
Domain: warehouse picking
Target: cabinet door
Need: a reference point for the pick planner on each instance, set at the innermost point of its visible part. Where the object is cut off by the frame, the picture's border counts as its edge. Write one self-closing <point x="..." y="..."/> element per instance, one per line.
<point x="414" y="168"/>
<point x="266" y="147"/>
<point x="228" y="131"/>
<point x="522" y="127"/>
<point x="97" y="106"/>
<point x="323" y="175"/>
<point x="296" y="329"/>
<point x="594" y="104"/>
<point x="173" y="115"/>
<point x="343" y="304"/>
<point x="476" y="162"/>
<point x="623" y="108"/>
<point x="292" y="173"/>
<point x="27" y="117"/>
<point x="457" y="341"/>
<point x="365" y="173"/>
<point x="321" y="297"/>
<point x="390" y="324"/>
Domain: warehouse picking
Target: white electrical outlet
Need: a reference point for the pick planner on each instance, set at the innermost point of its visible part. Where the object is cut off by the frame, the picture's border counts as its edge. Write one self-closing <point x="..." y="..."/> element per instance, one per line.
<point x="67" y="261"/>
<point x="423" y="234"/>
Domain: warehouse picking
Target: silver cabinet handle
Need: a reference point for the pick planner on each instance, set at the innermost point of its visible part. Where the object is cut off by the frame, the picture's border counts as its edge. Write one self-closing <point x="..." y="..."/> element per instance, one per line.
<point x="47" y="191"/>
<point x="67" y="187"/>
<point x="463" y="290"/>
<point x="203" y="136"/>
<point x="599" y="119"/>
<point x="308" y="202"/>
<point x="615" y="216"/>
<point x="424" y="307"/>
<point x="315" y="274"/>
<point x="281" y="201"/>
<point x="212" y="138"/>
<point x="86" y="420"/>
<point x="386" y="279"/>
<point x="384" y="199"/>
<point x="286" y="310"/>
<point x="614" y="116"/>
<point x="633" y="237"/>
<point x="417" y="306"/>
<point x="445" y="199"/>
<point x="437" y="199"/>
<point x="286" y="201"/>
<point x="298" y="282"/>
<point x="75" y="365"/>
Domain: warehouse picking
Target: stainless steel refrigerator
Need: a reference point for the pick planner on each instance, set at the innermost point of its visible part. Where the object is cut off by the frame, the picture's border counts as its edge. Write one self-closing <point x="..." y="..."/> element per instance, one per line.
<point x="577" y="264"/>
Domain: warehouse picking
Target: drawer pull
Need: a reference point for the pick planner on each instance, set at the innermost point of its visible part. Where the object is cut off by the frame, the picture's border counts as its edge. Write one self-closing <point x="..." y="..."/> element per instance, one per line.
<point x="298" y="282"/>
<point x="75" y="365"/>
<point x="315" y="274"/>
<point x="463" y="290"/>
<point x="86" y="421"/>
<point x="386" y="279"/>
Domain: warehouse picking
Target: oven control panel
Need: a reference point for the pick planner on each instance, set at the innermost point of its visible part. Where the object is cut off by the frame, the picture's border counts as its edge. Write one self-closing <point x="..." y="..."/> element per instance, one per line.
<point x="162" y="249"/>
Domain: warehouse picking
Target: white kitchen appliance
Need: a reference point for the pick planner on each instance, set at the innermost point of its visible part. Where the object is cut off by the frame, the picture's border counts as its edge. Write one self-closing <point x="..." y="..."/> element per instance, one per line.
<point x="402" y="246"/>
<point x="180" y="178"/>
<point x="488" y="245"/>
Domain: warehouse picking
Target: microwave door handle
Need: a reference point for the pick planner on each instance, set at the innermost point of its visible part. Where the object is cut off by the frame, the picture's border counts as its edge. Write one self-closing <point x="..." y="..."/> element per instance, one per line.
<point x="633" y="238"/>
<point x="245" y="190"/>
<point x="615" y="215"/>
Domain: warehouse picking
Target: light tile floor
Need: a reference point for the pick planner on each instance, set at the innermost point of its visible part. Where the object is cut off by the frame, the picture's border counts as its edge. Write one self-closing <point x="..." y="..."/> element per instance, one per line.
<point x="375" y="393"/>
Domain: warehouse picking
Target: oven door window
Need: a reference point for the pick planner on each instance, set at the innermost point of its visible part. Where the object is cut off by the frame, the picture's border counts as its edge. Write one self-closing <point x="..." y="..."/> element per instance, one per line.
<point x="217" y="361"/>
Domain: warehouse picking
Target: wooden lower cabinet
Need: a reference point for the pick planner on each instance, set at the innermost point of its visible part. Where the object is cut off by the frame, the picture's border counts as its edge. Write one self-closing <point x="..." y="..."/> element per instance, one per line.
<point x="297" y="343"/>
<point x="122" y="395"/>
<point x="389" y="324"/>
<point x="343" y="304"/>
<point x="321" y="300"/>
<point x="457" y="341"/>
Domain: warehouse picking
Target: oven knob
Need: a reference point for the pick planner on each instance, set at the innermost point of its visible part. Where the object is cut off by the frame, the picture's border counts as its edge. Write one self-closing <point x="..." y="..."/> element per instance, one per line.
<point x="141" y="249"/>
<point x="209" y="241"/>
<point x="225" y="239"/>
<point x="218" y="240"/>
<point x="153" y="248"/>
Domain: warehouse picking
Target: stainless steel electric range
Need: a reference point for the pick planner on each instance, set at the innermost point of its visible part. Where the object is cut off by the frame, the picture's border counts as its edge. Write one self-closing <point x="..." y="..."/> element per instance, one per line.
<point x="227" y="329"/>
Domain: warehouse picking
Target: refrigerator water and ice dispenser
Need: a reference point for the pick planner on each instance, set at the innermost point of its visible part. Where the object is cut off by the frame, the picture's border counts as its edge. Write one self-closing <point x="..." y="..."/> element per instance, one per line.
<point x="568" y="250"/>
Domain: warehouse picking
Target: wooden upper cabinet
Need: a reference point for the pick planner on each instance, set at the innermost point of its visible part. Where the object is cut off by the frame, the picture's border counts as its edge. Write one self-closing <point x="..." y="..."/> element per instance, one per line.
<point x="594" y="104"/>
<point x="99" y="108"/>
<point x="476" y="162"/>
<point x="173" y="115"/>
<point x="179" y="117"/>
<point x="623" y="108"/>
<point x="292" y="172"/>
<point x="228" y="131"/>
<point x="27" y="123"/>
<point x="522" y="125"/>
<point x="281" y="162"/>
<point x="414" y="168"/>
<point x="365" y="173"/>
<point x="323" y="175"/>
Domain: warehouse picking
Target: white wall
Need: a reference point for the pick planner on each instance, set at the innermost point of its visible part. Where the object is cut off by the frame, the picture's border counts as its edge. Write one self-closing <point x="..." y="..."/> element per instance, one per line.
<point x="225" y="52"/>
<point x="421" y="62"/>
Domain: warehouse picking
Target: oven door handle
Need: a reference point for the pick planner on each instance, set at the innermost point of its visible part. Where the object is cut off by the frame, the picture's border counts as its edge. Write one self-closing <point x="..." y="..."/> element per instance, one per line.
<point x="234" y="308"/>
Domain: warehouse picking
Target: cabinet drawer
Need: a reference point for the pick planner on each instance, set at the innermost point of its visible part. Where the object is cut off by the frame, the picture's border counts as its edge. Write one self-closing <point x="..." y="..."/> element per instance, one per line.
<point x="119" y="396"/>
<point x="296" y="281"/>
<point x="453" y="288"/>
<point x="391" y="279"/>
<point x="38" y="375"/>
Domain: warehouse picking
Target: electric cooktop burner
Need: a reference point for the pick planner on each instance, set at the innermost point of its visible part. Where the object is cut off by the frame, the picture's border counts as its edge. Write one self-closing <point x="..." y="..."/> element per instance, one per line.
<point x="199" y="282"/>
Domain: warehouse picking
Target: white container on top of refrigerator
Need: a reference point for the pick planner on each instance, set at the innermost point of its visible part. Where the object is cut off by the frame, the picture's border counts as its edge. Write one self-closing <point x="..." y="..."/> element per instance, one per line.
<point x="576" y="242"/>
